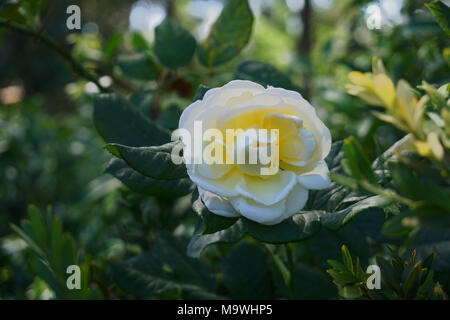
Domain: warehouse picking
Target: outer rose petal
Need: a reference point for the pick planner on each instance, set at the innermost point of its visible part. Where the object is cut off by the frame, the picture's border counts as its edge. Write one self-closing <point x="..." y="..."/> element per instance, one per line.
<point x="273" y="214"/>
<point x="233" y="91"/>
<point x="216" y="204"/>
<point x="190" y="112"/>
<point x="257" y="212"/>
<point x="225" y="186"/>
<point x="295" y="202"/>
<point x="316" y="178"/>
<point x="268" y="191"/>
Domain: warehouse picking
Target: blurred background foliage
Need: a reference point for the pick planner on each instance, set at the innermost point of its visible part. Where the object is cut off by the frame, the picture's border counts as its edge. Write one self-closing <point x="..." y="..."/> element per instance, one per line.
<point x="52" y="157"/>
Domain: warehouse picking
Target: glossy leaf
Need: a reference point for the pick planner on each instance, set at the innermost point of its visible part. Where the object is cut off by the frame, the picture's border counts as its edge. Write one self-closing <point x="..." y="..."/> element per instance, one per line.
<point x="154" y="162"/>
<point x="211" y="222"/>
<point x="229" y="34"/>
<point x="138" y="66"/>
<point x="251" y="282"/>
<point x="145" y="185"/>
<point x="263" y="73"/>
<point x="442" y="14"/>
<point x="296" y="228"/>
<point x="118" y="121"/>
<point x="199" y="242"/>
<point x="174" y="45"/>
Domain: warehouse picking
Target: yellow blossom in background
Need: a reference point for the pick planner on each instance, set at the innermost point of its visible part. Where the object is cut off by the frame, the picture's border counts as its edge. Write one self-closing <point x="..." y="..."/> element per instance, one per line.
<point x="405" y="110"/>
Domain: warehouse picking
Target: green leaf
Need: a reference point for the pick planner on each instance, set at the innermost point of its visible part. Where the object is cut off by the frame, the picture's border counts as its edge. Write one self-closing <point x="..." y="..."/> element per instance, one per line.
<point x="201" y="91"/>
<point x="143" y="101"/>
<point x="211" y="222"/>
<point x="347" y="258"/>
<point x="412" y="282"/>
<point x="338" y="219"/>
<point x="29" y="241"/>
<point x="327" y="244"/>
<point x="350" y="292"/>
<point x="138" y="66"/>
<point x="437" y="98"/>
<point x="56" y="242"/>
<point x="312" y="284"/>
<point x="174" y="45"/>
<point x="118" y="121"/>
<point x="142" y="276"/>
<point x="390" y="278"/>
<point x="192" y="292"/>
<point x="394" y="226"/>
<point x="358" y="163"/>
<point x="336" y="265"/>
<point x="263" y="73"/>
<point x="298" y="227"/>
<point x="411" y="184"/>
<point x="246" y="273"/>
<point x="139" y="42"/>
<point x="442" y="14"/>
<point x="438" y="240"/>
<point x="48" y="275"/>
<point x="38" y="225"/>
<point x="199" y="242"/>
<point x="170" y="117"/>
<point x="343" y="277"/>
<point x="171" y="252"/>
<point x="154" y="162"/>
<point x="229" y="34"/>
<point x="145" y="185"/>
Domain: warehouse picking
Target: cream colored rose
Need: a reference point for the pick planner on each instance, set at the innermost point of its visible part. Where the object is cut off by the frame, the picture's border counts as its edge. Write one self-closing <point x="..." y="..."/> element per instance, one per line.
<point x="303" y="142"/>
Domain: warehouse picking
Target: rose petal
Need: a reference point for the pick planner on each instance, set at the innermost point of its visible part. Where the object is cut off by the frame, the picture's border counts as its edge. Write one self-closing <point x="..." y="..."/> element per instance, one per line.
<point x="225" y="186"/>
<point x="296" y="200"/>
<point x="287" y="125"/>
<point x="216" y="204"/>
<point x="233" y="92"/>
<point x="267" y="191"/>
<point x="317" y="178"/>
<point x="307" y="113"/>
<point x="189" y="113"/>
<point x="269" y="215"/>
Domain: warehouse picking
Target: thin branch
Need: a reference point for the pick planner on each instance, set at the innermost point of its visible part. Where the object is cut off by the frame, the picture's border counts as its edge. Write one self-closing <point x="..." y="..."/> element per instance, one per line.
<point x="46" y="18"/>
<point x="64" y="53"/>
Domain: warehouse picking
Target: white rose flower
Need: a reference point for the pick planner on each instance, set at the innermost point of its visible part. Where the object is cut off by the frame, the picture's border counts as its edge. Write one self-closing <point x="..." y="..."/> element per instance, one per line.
<point x="303" y="142"/>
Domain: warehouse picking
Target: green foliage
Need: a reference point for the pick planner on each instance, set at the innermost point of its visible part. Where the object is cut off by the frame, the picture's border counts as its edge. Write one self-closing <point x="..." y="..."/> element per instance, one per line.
<point x="139" y="228"/>
<point x="251" y="282"/>
<point x="263" y="73"/>
<point x="137" y="131"/>
<point x="400" y="279"/>
<point x="348" y="275"/>
<point x="212" y="223"/>
<point x="331" y="208"/>
<point x="146" y="185"/>
<point x="154" y="162"/>
<point x="138" y="66"/>
<point x="442" y="14"/>
<point x="168" y="273"/>
<point x="174" y="46"/>
<point x="299" y="227"/>
<point x="51" y="252"/>
<point x="229" y="34"/>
